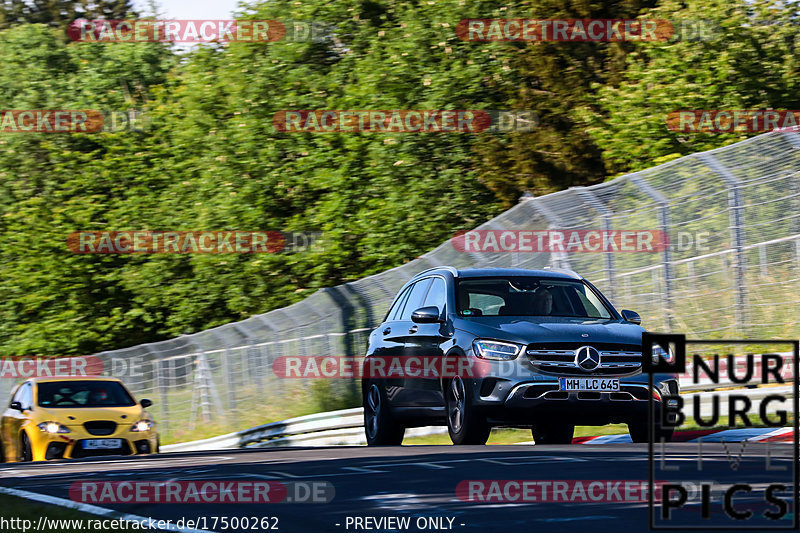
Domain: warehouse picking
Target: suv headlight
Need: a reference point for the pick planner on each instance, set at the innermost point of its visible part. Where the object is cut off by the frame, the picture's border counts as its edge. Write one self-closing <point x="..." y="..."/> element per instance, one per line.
<point x="53" y="427"/>
<point x="496" y="350"/>
<point x="142" y="425"/>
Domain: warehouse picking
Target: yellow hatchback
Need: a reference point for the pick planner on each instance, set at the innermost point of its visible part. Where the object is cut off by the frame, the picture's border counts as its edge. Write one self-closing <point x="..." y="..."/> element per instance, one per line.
<point x="69" y="417"/>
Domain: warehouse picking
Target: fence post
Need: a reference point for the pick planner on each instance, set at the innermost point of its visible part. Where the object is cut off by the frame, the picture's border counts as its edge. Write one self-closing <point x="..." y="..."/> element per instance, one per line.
<point x="346" y="324"/>
<point x="229" y="382"/>
<point x="737" y="236"/>
<point x="666" y="255"/>
<point x="792" y="137"/>
<point x="559" y="259"/>
<point x="161" y="385"/>
<point x="269" y="357"/>
<point x="797" y="251"/>
<point x="605" y="213"/>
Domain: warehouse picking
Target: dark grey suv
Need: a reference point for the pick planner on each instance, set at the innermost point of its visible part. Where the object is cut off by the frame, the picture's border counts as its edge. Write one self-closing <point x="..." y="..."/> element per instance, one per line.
<point x="550" y="349"/>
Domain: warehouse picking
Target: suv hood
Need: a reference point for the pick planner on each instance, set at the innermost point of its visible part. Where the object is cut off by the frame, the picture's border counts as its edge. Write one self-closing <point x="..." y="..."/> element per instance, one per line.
<point x="532" y="329"/>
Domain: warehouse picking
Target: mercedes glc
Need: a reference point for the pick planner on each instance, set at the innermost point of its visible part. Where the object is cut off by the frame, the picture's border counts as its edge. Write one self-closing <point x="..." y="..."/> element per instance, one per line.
<point x="539" y="349"/>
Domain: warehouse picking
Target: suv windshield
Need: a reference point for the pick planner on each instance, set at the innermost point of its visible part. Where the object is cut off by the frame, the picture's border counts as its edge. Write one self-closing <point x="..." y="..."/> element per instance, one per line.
<point x="83" y="394"/>
<point x="528" y="296"/>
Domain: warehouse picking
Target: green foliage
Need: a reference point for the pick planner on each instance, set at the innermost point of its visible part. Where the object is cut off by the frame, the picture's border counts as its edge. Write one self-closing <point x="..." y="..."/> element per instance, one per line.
<point x="554" y="79"/>
<point x="60" y="13"/>
<point x="748" y="60"/>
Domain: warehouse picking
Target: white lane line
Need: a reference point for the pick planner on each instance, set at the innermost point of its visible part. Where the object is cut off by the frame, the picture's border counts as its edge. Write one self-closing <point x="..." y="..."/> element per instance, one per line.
<point x="93" y="509"/>
<point x="363" y="470"/>
<point x="90" y="468"/>
<point x="574" y="518"/>
<point x="260" y="476"/>
<point x="284" y="474"/>
<point x="432" y="466"/>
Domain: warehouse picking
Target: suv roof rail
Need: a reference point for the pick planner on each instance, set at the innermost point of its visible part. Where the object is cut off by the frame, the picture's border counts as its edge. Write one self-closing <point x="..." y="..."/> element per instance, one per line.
<point x="450" y="269"/>
<point x="568" y="272"/>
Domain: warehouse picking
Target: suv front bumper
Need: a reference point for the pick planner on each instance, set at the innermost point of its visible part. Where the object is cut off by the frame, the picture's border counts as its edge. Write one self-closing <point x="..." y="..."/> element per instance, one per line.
<point x="541" y="399"/>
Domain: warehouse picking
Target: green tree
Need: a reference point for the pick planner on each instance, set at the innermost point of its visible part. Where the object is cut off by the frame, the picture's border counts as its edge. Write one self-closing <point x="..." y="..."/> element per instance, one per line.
<point x="746" y="59"/>
<point x="553" y="79"/>
<point x="60" y="13"/>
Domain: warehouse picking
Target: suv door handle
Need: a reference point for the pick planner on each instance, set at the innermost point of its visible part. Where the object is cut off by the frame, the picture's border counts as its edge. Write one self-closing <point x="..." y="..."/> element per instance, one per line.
<point x="387" y="330"/>
<point x="412" y="329"/>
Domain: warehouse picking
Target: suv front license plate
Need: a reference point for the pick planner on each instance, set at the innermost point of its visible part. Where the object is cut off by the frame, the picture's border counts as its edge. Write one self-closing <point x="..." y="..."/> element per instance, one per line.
<point x="589" y="384"/>
<point x="102" y="444"/>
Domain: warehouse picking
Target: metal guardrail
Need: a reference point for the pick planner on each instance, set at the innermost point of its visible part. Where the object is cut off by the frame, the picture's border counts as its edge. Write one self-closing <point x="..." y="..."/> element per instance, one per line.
<point x="333" y="428"/>
<point x="283" y="430"/>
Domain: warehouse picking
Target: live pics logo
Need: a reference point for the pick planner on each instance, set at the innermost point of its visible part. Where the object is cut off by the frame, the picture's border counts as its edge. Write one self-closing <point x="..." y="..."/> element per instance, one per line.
<point x="739" y="397"/>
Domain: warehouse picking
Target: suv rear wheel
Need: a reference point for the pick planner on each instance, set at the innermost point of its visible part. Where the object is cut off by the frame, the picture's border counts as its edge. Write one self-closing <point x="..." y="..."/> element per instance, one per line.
<point x="379" y="425"/>
<point x="465" y="423"/>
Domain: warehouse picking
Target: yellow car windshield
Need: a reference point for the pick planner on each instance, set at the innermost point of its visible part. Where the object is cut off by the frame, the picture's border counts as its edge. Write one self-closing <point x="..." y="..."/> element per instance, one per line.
<point x="83" y="394"/>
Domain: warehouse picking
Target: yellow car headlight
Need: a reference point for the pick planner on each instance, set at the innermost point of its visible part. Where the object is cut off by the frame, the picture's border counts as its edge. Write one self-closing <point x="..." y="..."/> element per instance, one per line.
<point x="142" y="425"/>
<point x="53" y="427"/>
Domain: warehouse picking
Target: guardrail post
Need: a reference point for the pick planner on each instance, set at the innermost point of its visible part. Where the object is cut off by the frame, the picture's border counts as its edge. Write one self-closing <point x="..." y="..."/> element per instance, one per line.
<point x="666" y="254"/>
<point x="737" y="236"/>
<point x="605" y="213"/>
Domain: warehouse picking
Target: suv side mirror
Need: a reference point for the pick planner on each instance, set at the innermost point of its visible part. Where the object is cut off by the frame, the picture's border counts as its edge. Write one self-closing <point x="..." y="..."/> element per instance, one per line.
<point x="426" y="315"/>
<point x="631" y="317"/>
<point x="146" y="403"/>
<point x="16" y="406"/>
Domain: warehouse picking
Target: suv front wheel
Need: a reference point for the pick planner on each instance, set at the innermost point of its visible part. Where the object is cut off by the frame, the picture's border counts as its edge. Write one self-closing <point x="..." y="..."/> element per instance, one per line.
<point x="465" y="423"/>
<point x="379" y="425"/>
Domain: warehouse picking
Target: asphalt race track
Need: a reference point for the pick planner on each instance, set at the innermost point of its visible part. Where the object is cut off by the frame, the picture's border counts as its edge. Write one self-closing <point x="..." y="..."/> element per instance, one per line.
<point x="421" y="481"/>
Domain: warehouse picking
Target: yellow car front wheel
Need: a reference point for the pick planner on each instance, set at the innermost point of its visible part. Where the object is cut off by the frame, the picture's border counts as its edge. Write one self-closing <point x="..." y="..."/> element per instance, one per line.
<point x="26" y="454"/>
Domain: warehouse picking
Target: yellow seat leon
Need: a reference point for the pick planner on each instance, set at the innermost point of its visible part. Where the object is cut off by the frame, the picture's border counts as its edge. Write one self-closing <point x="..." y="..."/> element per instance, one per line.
<point x="73" y="417"/>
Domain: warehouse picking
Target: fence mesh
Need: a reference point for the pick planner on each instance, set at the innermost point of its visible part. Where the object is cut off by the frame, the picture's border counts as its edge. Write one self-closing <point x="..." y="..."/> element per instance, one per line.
<point x="742" y="201"/>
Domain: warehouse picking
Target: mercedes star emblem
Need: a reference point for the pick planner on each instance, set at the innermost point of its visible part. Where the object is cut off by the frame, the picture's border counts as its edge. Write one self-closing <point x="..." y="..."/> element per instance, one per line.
<point x="587" y="358"/>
